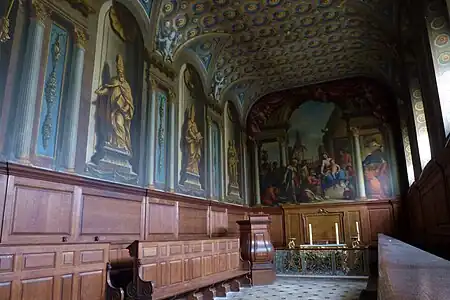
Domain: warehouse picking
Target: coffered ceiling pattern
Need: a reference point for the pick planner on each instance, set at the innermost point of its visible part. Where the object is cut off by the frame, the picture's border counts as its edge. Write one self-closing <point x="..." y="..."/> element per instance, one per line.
<point x="279" y="44"/>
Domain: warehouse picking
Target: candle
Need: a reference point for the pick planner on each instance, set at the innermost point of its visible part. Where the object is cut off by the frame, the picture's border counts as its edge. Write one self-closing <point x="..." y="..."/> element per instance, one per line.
<point x="310" y="234"/>
<point x="337" y="232"/>
<point x="357" y="231"/>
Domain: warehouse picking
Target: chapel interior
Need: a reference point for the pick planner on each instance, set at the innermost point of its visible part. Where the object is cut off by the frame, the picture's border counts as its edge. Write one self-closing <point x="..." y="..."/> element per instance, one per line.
<point x="232" y="149"/>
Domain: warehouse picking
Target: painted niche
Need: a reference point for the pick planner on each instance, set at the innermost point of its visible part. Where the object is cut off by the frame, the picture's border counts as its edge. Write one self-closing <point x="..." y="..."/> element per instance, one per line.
<point x="192" y="135"/>
<point x="233" y="153"/>
<point x="114" y="143"/>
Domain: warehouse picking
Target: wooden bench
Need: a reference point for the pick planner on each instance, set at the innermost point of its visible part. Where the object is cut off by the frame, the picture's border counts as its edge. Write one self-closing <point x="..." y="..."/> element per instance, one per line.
<point x="123" y="282"/>
<point x="199" y="269"/>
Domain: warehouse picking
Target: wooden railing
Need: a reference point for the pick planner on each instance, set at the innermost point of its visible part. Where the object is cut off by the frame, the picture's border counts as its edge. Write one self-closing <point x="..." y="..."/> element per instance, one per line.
<point x="406" y="272"/>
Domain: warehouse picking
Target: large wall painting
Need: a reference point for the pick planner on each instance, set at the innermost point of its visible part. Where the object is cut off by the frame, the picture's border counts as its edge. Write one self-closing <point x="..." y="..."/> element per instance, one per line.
<point x="376" y="167"/>
<point x="192" y="135"/>
<point x="118" y="99"/>
<point x="311" y="174"/>
<point x="233" y="154"/>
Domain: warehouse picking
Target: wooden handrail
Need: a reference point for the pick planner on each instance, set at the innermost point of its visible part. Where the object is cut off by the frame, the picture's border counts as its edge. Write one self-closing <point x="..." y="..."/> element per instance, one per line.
<point x="406" y="272"/>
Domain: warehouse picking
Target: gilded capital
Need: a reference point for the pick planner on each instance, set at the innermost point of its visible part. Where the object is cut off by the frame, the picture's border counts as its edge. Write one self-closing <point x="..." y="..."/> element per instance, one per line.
<point x="172" y="96"/>
<point x="39" y="11"/>
<point x="154" y="83"/>
<point x="354" y="131"/>
<point x="280" y="139"/>
<point x="80" y="38"/>
<point x="209" y="121"/>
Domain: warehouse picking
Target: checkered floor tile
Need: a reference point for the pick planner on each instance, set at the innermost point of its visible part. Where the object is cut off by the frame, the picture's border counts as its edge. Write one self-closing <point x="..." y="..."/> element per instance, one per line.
<point x="303" y="288"/>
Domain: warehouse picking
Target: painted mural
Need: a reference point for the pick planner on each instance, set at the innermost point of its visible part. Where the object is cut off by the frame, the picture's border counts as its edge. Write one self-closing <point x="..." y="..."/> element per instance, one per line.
<point x="233" y="153"/>
<point x="376" y="167"/>
<point x="311" y="173"/>
<point x="118" y="99"/>
<point x="192" y="136"/>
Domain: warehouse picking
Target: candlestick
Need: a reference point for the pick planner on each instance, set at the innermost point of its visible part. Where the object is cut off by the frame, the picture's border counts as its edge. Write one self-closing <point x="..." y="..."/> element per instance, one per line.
<point x="337" y="232"/>
<point x="357" y="231"/>
<point x="310" y="234"/>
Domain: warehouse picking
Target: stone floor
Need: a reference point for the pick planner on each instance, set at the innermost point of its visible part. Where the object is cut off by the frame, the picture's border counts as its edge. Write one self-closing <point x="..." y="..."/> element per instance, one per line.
<point x="304" y="288"/>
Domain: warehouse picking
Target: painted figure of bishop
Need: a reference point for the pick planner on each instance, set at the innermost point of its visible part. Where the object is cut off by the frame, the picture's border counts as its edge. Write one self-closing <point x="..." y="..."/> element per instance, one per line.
<point x="194" y="141"/>
<point x="122" y="107"/>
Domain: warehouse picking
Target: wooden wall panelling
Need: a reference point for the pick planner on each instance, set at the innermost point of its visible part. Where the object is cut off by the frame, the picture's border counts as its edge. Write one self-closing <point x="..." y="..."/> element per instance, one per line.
<point x="111" y="216"/>
<point x="323" y="226"/>
<point x="3" y="188"/>
<point x="218" y="221"/>
<point x="162" y="219"/>
<point x="235" y="213"/>
<point x="61" y="272"/>
<point x="276" y="228"/>
<point x="39" y="212"/>
<point x="193" y="221"/>
<point x="373" y="216"/>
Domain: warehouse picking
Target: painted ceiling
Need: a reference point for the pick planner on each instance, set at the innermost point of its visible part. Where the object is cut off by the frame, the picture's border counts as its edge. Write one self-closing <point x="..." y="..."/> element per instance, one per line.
<point x="254" y="47"/>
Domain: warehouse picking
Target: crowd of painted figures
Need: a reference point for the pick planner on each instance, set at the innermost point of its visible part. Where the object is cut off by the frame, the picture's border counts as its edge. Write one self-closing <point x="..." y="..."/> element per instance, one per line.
<point x="313" y="180"/>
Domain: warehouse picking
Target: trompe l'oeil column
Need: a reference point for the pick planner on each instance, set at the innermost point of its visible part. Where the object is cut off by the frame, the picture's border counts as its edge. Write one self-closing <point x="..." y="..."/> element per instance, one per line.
<point x="73" y="101"/>
<point x="173" y="140"/>
<point x="257" y="187"/>
<point x="152" y="134"/>
<point x="358" y="164"/>
<point x="29" y="81"/>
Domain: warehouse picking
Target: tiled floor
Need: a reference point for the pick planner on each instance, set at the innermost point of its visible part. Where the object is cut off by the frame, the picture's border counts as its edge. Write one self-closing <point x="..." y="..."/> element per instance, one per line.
<point x="304" y="288"/>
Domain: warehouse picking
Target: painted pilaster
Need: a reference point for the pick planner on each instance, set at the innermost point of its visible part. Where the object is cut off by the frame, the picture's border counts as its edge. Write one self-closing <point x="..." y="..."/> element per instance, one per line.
<point x="209" y="160"/>
<point x="29" y="82"/>
<point x="256" y="170"/>
<point x="73" y="102"/>
<point x="224" y="166"/>
<point x="393" y="164"/>
<point x="151" y="118"/>
<point x="358" y="164"/>
<point x="173" y="140"/>
<point x="244" y="168"/>
<point x="282" y="143"/>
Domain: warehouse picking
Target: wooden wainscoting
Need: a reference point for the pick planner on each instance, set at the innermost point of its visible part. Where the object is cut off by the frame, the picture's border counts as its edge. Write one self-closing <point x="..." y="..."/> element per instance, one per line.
<point x="291" y="221"/>
<point x="55" y="225"/>
<point x="49" y="207"/>
<point x="62" y="272"/>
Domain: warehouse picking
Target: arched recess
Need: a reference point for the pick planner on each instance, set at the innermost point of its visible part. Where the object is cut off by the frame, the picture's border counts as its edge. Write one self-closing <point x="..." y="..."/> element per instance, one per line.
<point x="114" y="146"/>
<point x="191" y="133"/>
<point x="188" y="57"/>
<point x="235" y="173"/>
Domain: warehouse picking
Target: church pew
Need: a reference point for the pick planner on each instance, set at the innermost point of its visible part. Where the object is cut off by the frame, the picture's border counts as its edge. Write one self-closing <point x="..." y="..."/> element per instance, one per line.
<point x="123" y="282"/>
<point x="199" y="269"/>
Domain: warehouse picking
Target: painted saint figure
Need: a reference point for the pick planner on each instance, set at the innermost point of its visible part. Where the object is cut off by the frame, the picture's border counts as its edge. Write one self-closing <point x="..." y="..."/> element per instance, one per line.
<point x="233" y="161"/>
<point x="122" y="107"/>
<point x="194" y="141"/>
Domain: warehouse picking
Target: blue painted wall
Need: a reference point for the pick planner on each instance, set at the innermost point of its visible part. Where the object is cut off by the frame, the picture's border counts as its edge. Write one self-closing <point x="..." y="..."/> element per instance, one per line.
<point x="216" y="161"/>
<point x="161" y="137"/>
<point x="53" y="90"/>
